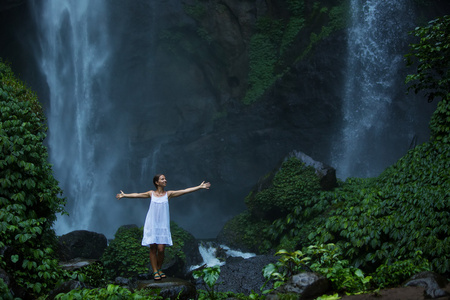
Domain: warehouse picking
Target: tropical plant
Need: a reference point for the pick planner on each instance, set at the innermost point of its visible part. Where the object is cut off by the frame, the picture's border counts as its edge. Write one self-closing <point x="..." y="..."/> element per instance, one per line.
<point x="432" y="77"/>
<point x="293" y="184"/>
<point x="394" y="273"/>
<point x="29" y="194"/>
<point x="110" y="292"/>
<point x="209" y="276"/>
<point x="430" y="56"/>
<point x="325" y="260"/>
<point x="328" y="261"/>
<point x="93" y="275"/>
<point x="247" y="232"/>
<point x="125" y="256"/>
<point x="287" y="265"/>
<point x="403" y="211"/>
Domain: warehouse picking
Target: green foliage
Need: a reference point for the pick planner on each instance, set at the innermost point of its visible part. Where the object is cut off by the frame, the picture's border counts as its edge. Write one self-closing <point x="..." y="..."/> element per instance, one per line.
<point x="111" y="292"/>
<point x="393" y="274"/>
<point x="93" y="275"/>
<point x="432" y="76"/>
<point x="197" y="11"/>
<point x="29" y="194"/>
<point x="126" y="257"/>
<point x="209" y="276"/>
<point x="404" y="210"/>
<point x="329" y="297"/>
<point x="440" y="121"/>
<point x="291" y="232"/>
<point x="328" y="261"/>
<point x="323" y="259"/>
<point x="247" y="232"/>
<point x="430" y="55"/>
<point x="290" y="263"/>
<point x="292" y="185"/>
<point x="276" y="45"/>
<point x="262" y="58"/>
<point x="4" y="291"/>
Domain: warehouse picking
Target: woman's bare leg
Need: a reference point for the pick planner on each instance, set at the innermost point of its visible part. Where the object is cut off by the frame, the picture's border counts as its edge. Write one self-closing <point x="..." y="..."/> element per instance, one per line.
<point x="154" y="257"/>
<point x="160" y="258"/>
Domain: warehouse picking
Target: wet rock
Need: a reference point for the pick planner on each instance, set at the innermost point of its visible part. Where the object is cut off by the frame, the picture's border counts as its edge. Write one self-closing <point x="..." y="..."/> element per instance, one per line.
<point x="121" y="281"/>
<point x="305" y="285"/>
<point x="241" y="275"/>
<point x="172" y="288"/>
<point x="81" y="244"/>
<point x="77" y="263"/>
<point x="326" y="173"/>
<point x="432" y="282"/>
<point x="66" y="287"/>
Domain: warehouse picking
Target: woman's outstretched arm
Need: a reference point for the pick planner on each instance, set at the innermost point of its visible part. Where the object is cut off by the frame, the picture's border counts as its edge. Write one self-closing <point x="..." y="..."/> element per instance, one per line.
<point x="203" y="185"/>
<point x="134" y="195"/>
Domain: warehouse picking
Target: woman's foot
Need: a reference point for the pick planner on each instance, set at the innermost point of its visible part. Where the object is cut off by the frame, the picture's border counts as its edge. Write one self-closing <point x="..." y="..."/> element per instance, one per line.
<point x="161" y="274"/>
<point x="156" y="276"/>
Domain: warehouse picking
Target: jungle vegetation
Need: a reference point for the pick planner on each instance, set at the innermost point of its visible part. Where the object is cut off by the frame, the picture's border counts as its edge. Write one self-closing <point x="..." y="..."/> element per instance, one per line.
<point x="371" y="229"/>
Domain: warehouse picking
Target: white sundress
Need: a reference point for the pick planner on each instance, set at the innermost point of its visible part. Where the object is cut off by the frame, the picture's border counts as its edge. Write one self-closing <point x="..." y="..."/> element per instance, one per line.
<point x="157" y="222"/>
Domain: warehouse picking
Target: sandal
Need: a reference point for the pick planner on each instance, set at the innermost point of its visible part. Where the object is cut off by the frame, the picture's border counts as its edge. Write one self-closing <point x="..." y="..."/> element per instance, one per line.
<point x="161" y="274"/>
<point x="156" y="276"/>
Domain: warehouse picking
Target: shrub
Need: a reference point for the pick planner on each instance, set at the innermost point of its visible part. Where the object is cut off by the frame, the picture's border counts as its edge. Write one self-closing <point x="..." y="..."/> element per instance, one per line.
<point x="292" y="185"/>
<point x="323" y="259"/>
<point x="394" y="273"/>
<point x="291" y="232"/>
<point x="125" y="256"/>
<point x="404" y="210"/>
<point x="110" y="292"/>
<point x="246" y="233"/>
<point x="29" y="194"/>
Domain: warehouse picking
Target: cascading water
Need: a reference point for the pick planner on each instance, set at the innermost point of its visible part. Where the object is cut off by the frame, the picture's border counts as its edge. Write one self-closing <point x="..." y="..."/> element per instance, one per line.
<point x="73" y="40"/>
<point x="376" y="39"/>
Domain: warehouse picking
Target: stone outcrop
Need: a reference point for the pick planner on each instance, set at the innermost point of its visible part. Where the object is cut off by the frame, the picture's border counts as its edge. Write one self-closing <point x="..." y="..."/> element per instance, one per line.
<point x="306" y="285"/>
<point x="326" y="174"/>
<point x="240" y="275"/>
<point x="81" y="244"/>
<point x="432" y="282"/>
<point x="172" y="288"/>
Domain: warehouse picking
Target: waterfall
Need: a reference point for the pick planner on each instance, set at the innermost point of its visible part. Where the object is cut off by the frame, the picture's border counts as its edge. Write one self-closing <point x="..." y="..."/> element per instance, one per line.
<point x="73" y="53"/>
<point x="376" y="39"/>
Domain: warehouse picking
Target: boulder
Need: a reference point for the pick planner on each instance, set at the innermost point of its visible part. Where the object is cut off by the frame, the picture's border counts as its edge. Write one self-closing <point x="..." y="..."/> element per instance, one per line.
<point x="172" y="288"/>
<point x="241" y="275"/>
<point x="66" y="287"/>
<point x="306" y="285"/>
<point x="81" y="244"/>
<point x="77" y="263"/>
<point x="326" y="173"/>
<point x="432" y="282"/>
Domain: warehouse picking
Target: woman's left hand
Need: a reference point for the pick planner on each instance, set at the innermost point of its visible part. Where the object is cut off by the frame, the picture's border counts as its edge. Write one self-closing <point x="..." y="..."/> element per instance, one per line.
<point x="205" y="185"/>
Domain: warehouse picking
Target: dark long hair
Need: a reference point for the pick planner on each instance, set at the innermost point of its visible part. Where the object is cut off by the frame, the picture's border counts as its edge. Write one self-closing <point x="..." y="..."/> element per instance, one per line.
<point x="156" y="178"/>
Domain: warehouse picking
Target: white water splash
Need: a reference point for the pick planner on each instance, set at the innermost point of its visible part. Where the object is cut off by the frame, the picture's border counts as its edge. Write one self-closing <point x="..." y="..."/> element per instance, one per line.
<point x="209" y="252"/>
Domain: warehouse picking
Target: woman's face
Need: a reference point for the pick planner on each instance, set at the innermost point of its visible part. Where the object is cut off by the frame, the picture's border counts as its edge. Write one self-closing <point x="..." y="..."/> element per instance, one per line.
<point x="162" y="181"/>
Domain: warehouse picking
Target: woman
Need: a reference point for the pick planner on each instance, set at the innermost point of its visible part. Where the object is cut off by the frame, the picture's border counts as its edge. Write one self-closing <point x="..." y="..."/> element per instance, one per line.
<point x="157" y="223"/>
